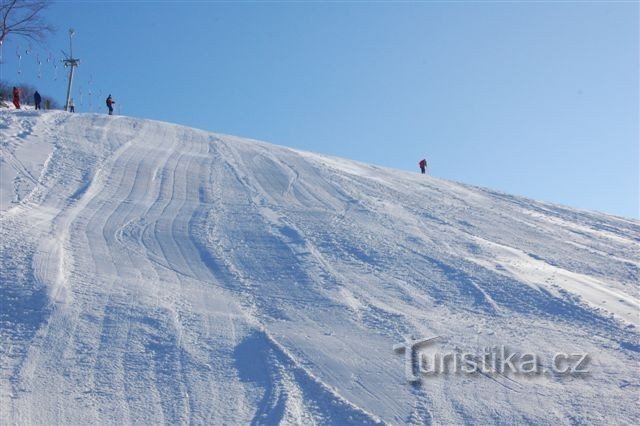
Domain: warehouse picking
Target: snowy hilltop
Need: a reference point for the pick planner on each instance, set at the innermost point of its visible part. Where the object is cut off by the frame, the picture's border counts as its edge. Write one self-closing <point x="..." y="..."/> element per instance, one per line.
<point x="152" y="273"/>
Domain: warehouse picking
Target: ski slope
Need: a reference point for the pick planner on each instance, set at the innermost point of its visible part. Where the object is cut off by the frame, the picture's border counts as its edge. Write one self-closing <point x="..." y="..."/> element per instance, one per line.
<point x="152" y="273"/>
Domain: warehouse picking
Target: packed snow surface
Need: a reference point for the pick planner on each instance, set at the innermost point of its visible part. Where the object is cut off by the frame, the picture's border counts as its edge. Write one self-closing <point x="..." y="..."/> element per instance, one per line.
<point x="152" y="273"/>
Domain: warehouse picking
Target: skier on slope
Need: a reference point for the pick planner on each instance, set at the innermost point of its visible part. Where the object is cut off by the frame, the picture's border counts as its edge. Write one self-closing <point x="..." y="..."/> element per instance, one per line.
<point x="423" y="166"/>
<point x="110" y="103"/>
<point x="37" y="99"/>
<point x="16" y="97"/>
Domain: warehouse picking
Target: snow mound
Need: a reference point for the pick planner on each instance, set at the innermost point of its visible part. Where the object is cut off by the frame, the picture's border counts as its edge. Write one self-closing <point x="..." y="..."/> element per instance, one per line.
<point x="152" y="273"/>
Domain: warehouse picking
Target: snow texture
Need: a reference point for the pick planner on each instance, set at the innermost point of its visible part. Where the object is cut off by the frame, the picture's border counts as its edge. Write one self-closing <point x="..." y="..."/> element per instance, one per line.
<point x="152" y="273"/>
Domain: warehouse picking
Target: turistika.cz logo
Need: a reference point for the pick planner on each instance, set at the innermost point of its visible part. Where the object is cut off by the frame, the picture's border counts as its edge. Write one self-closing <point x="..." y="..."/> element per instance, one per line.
<point x="493" y="360"/>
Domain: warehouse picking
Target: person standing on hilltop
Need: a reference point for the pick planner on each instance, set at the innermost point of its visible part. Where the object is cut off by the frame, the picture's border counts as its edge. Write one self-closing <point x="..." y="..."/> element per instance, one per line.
<point x="110" y="103"/>
<point x="37" y="99"/>
<point x="16" y="97"/>
<point x="423" y="166"/>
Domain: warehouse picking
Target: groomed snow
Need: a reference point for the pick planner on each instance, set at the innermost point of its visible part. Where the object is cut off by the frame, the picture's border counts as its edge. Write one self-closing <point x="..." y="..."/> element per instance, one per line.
<point x="152" y="273"/>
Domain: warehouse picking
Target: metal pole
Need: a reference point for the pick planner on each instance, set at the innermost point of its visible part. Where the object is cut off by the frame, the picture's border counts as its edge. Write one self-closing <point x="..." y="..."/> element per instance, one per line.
<point x="72" y="63"/>
<point x="71" y="34"/>
<point x="66" y="105"/>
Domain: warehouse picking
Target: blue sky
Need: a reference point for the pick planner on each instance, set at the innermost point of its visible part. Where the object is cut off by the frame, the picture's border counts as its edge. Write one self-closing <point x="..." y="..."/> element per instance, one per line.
<point x="538" y="99"/>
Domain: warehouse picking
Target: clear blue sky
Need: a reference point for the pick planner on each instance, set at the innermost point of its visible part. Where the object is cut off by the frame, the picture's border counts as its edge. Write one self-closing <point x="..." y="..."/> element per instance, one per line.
<point x="533" y="98"/>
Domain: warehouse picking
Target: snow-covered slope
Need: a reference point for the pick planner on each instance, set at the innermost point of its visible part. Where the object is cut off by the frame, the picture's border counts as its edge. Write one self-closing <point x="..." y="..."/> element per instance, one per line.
<point x="153" y="273"/>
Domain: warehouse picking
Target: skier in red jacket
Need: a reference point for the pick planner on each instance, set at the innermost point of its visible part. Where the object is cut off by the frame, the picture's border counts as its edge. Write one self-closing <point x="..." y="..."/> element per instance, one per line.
<point x="16" y="97"/>
<point x="423" y="166"/>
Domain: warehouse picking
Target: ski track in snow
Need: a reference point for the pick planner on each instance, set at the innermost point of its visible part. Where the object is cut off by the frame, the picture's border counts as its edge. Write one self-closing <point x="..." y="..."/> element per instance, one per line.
<point x="153" y="273"/>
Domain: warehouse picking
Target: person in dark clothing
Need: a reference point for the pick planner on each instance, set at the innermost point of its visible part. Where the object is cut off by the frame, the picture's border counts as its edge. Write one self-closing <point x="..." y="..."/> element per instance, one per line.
<point x="423" y="166"/>
<point x="37" y="99"/>
<point x="16" y="97"/>
<point x="110" y="103"/>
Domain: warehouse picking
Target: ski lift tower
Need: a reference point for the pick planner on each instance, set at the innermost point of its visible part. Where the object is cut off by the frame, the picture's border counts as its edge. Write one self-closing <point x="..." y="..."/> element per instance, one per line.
<point x="72" y="63"/>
